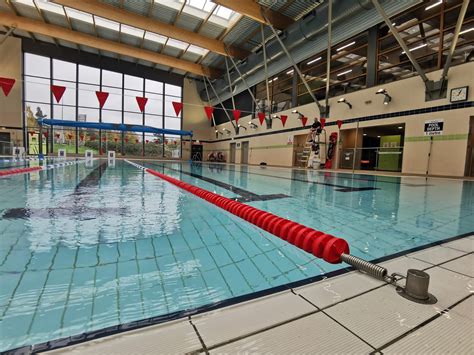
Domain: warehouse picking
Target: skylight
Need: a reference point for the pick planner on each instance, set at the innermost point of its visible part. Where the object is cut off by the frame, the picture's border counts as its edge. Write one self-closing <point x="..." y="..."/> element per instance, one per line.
<point x="103" y="22"/>
<point x="79" y="15"/>
<point x="132" y="31"/>
<point x="177" y="44"/>
<point x="151" y="36"/>
<point x="197" y="50"/>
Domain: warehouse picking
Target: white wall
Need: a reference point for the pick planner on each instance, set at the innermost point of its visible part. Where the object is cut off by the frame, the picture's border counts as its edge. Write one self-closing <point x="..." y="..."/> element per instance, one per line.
<point x="448" y="155"/>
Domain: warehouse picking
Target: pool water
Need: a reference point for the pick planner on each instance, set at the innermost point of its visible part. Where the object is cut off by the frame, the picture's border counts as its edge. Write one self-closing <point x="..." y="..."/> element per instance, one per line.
<point x="91" y="246"/>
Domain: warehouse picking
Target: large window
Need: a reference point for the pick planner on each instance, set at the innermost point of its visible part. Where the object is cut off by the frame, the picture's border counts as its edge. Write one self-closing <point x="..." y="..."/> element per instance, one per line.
<point x="79" y="103"/>
<point x="428" y="30"/>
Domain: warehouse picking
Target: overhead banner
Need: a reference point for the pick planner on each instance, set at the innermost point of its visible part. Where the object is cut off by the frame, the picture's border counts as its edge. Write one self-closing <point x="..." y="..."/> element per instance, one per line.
<point x="58" y="92"/>
<point x="7" y="84"/>
<point x="434" y="127"/>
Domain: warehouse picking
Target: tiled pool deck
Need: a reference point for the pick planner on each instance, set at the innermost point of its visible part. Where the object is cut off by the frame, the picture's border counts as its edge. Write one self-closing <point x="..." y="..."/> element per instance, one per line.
<point x="350" y="313"/>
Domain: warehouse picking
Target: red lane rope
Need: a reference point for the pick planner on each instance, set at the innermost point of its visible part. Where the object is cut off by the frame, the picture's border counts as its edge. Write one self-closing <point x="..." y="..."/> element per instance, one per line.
<point x="318" y="243"/>
<point x="19" y="171"/>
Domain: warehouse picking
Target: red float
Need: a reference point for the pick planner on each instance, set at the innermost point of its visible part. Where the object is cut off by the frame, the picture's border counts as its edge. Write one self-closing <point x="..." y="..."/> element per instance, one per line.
<point x="319" y="244"/>
<point x="19" y="171"/>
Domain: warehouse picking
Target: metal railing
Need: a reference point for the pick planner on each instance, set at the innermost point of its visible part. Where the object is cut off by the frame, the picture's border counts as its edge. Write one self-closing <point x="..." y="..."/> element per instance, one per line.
<point x="381" y="158"/>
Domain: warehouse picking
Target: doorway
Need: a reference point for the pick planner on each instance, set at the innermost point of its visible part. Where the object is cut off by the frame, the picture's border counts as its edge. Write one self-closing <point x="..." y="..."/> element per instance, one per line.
<point x="5" y="145"/>
<point x="232" y="153"/>
<point x="244" y="154"/>
<point x="373" y="148"/>
<point x="470" y="149"/>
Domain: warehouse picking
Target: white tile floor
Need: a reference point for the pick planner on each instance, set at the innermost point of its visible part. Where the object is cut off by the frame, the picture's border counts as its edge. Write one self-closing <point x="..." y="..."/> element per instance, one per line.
<point x="351" y="313"/>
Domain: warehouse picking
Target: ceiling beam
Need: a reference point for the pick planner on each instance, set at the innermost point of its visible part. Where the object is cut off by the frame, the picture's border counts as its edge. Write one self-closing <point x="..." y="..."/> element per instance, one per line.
<point x="148" y="24"/>
<point x="252" y="9"/>
<point x="39" y="27"/>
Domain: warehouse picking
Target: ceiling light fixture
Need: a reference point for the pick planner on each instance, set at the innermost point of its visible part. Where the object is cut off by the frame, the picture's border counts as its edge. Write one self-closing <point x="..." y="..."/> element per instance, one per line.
<point x="347" y="45"/>
<point x="466" y="31"/>
<point x="289" y="72"/>
<point x="314" y="60"/>
<point x="418" y="47"/>
<point x="344" y="72"/>
<point x="343" y="100"/>
<point x="434" y="5"/>
<point x="387" y="98"/>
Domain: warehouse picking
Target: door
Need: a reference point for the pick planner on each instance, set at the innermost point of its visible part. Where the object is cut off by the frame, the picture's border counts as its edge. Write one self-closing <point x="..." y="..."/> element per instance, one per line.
<point x="244" y="157"/>
<point x="470" y="149"/>
<point x="232" y="153"/>
<point x="5" y="146"/>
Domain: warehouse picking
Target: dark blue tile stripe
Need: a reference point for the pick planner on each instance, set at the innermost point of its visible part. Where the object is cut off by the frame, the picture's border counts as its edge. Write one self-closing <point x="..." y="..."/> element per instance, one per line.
<point x="455" y="106"/>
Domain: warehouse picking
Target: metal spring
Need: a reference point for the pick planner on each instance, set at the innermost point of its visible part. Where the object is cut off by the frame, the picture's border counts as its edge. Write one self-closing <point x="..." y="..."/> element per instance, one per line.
<point x="376" y="271"/>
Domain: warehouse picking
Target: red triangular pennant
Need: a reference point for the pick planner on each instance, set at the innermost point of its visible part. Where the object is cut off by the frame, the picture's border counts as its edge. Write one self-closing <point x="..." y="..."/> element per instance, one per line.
<point x="115" y="139"/>
<point x="339" y="123"/>
<point x="261" y="117"/>
<point x="236" y="114"/>
<point x="283" y="119"/>
<point x="323" y="122"/>
<point x="304" y="119"/>
<point x="104" y="139"/>
<point x="209" y="111"/>
<point x="178" y="106"/>
<point x="81" y="137"/>
<point x="141" y="101"/>
<point x="58" y="92"/>
<point x="69" y="135"/>
<point x="102" y="97"/>
<point x="126" y="140"/>
<point x="7" y="84"/>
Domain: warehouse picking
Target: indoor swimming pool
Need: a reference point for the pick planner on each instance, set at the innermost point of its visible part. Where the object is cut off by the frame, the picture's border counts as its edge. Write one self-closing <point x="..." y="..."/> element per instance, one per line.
<point x="97" y="247"/>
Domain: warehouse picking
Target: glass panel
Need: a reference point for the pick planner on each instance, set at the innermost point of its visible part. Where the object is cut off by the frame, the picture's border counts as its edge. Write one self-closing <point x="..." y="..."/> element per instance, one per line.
<point x="114" y="101"/>
<point x="130" y="101"/>
<point x="69" y="96"/>
<point x="110" y="78"/>
<point x="34" y="111"/>
<point x="133" y="118"/>
<point x="88" y="114"/>
<point x="89" y="75"/>
<point x="153" y="86"/>
<point x="87" y="95"/>
<point x="172" y="147"/>
<point x="153" y="145"/>
<point x="109" y="116"/>
<point x="37" y="65"/>
<point x="64" y="70"/>
<point x="154" y="121"/>
<point x="134" y="82"/>
<point x="37" y="89"/>
<point x="173" y="90"/>
<point x="64" y="138"/>
<point x="172" y="123"/>
<point x="154" y="105"/>
<point x="62" y="112"/>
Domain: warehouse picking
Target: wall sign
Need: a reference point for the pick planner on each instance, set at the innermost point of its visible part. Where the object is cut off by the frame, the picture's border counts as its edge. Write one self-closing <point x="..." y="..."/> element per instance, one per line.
<point x="434" y="127"/>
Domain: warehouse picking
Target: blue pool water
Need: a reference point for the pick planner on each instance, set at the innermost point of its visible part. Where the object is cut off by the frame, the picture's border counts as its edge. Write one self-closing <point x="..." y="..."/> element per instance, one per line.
<point x="91" y="246"/>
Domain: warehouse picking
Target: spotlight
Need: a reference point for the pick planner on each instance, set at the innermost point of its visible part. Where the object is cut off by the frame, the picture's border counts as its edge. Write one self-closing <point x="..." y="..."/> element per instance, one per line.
<point x="218" y="132"/>
<point x="276" y="117"/>
<point x="226" y="131"/>
<point x="300" y="115"/>
<point x="252" y="125"/>
<point x="240" y="126"/>
<point x="343" y="100"/>
<point x="387" y="98"/>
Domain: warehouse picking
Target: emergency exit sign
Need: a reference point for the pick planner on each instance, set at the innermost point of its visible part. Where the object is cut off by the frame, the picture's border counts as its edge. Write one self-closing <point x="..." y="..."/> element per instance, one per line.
<point x="434" y="127"/>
